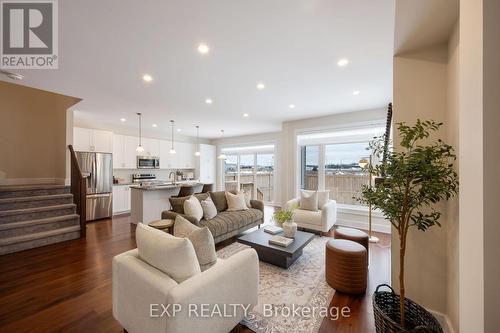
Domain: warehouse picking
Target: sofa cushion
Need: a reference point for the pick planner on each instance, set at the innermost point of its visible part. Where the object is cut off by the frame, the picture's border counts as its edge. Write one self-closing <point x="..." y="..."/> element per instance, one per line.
<point x="172" y="255"/>
<point x="219" y="199"/>
<point x="309" y="200"/>
<point x="307" y="216"/>
<point x="178" y="204"/>
<point x="192" y="207"/>
<point x="226" y="221"/>
<point x="236" y="202"/>
<point x="201" y="196"/>
<point x="202" y="240"/>
<point x="209" y="209"/>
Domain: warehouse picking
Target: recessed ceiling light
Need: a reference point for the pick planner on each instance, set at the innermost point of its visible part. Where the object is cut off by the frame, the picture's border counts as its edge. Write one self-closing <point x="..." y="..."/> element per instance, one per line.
<point x="260" y="85"/>
<point x="179" y="129"/>
<point x="342" y="62"/>
<point x="203" y="48"/>
<point x="147" y="78"/>
<point x="123" y="120"/>
<point x="291" y="106"/>
<point x="209" y="101"/>
<point x="154" y="125"/>
<point x="245" y="115"/>
<point x="355" y="92"/>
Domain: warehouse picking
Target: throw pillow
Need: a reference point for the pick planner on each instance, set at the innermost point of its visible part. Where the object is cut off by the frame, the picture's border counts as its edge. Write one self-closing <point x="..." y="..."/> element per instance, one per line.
<point x="174" y="256"/>
<point x="219" y="199"/>
<point x="209" y="209"/>
<point x="202" y="240"/>
<point x="177" y="204"/>
<point x="309" y="200"/>
<point x="201" y="196"/>
<point x="323" y="198"/>
<point x="192" y="207"/>
<point x="248" y="197"/>
<point x="236" y="202"/>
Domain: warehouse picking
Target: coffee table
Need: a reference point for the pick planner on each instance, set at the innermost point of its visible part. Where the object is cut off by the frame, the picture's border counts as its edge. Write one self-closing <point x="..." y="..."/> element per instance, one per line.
<point x="275" y="254"/>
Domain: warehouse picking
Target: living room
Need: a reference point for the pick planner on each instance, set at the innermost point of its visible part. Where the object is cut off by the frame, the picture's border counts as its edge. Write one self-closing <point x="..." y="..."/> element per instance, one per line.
<point x="249" y="167"/>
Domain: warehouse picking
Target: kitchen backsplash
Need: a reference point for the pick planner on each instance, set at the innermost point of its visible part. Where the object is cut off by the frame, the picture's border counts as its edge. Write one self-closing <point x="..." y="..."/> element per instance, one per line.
<point x="126" y="174"/>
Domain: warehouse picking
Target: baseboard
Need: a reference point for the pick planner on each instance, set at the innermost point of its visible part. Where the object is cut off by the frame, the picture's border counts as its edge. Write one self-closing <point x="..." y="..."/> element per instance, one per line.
<point x="386" y="229"/>
<point x="443" y="320"/>
<point x="32" y="181"/>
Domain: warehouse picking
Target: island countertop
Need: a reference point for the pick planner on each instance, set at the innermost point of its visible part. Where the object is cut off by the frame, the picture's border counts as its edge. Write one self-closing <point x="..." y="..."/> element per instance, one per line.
<point x="156" y="187"/>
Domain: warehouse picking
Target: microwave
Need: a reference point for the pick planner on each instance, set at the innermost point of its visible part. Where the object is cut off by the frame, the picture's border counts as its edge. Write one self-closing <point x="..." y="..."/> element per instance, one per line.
<point x="148" y="162"/>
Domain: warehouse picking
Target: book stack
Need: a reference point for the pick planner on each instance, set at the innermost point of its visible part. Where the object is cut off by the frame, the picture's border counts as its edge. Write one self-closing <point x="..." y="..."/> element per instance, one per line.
<point x="280" y="241"/>
<point x="272" y="229"/>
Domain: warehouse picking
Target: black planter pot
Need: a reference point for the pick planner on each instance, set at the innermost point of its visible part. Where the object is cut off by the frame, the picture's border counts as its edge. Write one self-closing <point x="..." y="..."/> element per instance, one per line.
<point x="387" y="315"/>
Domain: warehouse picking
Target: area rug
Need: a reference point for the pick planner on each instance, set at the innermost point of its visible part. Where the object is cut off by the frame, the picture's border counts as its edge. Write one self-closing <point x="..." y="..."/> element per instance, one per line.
<point x="301" y="285"/>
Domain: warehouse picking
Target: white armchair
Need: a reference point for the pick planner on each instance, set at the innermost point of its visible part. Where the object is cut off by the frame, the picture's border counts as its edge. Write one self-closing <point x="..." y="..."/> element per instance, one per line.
<point x="321" y="220"/>
<point x="138" y="286"/>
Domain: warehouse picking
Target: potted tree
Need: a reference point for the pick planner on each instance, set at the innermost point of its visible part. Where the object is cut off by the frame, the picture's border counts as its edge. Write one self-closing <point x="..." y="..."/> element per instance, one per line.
<point x="416" y="177"/>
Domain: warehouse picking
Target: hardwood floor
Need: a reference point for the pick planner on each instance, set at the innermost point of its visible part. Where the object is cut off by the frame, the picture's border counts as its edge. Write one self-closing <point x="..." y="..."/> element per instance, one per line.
<point x="66" y="287"/>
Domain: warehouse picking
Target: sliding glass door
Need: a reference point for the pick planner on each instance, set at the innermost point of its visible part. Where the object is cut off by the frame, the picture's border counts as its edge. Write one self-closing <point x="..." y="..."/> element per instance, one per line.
<point x="252" y="173"/>
<point x="265" y="177"/>
<point x="231" y="173"/>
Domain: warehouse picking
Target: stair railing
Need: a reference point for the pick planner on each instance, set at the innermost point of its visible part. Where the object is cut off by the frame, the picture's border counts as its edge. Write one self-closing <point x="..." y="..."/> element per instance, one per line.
<point x="79" y="191"/>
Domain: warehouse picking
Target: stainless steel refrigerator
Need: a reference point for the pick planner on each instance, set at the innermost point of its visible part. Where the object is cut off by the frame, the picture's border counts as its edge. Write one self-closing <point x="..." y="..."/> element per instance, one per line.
<point x="98" y="168"/>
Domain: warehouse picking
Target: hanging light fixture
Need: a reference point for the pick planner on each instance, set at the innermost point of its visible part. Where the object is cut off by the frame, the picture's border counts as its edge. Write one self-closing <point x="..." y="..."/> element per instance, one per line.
<point x="222" y="156"/>
<point x="139" y="148"/>
<point x="172" y="150"/>
<point x="197" y="152"/>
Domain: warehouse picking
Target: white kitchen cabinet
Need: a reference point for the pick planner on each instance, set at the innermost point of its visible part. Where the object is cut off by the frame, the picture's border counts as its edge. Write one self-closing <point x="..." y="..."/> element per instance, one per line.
<point x="206" y="164"/>
<point x="185" y="158"/>
<point x="81" y="139"/>
<point x="166" y="159"/>
<point x="86" y="139"/>
<point x="121" y="199"/>
<point x="102" y="141"/>
<point x="151" y="147"/>
<point x="124" y="152"/>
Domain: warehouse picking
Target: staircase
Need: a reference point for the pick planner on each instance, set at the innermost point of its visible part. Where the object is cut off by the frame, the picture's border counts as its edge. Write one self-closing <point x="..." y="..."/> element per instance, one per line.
<point x="34" y="216"/>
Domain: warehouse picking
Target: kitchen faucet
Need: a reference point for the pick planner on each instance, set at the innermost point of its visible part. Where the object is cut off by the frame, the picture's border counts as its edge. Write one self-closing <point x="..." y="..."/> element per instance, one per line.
<point x="170" y="174"/>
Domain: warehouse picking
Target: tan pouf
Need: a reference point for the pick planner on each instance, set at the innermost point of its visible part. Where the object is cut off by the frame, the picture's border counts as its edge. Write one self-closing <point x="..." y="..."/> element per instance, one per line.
<point x="165" y="225"/>
<point x="354" y="235"/>
<point x="346" y="267"/>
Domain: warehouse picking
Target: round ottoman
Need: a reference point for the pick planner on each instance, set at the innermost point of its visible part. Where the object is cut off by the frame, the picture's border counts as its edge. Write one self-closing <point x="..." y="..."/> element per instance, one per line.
<point x="354" y="235"/>
<point x="346" y="267"/>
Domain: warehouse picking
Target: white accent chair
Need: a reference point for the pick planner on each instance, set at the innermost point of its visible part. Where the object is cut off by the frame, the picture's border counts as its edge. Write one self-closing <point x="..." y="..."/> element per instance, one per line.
<point x="321" y="220"/>
<point x="137" y="285"/>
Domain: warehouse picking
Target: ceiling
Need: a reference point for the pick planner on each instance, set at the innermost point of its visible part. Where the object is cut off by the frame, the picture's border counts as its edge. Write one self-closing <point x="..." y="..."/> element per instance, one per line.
<point x="105" y="47"/>
<point x="423" y="23"/>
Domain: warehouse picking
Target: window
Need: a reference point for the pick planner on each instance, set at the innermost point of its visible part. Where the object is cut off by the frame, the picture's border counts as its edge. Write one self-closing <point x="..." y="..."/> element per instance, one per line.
<point x="310" y="167"/>
<point x="329" y="160"/>
<point x="344" y="177"/>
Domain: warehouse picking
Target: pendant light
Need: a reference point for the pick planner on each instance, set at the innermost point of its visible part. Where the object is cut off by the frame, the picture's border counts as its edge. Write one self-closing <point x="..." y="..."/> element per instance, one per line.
<point x="222" y="156"/>
<point x="139" y="148"/>
<point x="172" y="150"/>
<point x="197" y="152"/>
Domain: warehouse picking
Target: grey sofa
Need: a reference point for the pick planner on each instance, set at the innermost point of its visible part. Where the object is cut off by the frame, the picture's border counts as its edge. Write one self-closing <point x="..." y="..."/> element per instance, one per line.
<point x="226" y="224"/>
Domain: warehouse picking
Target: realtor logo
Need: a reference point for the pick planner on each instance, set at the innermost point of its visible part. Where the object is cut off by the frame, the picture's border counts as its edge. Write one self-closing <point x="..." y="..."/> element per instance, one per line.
<point x="29" y="34"/>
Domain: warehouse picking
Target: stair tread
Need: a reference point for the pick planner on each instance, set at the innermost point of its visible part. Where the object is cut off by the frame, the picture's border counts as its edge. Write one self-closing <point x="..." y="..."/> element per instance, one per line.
<point x="5" y="188"/>
<point x="35" y="209"/>
<point x="39" y="235"/>
<point x="36" y="197"/>
<point x="20" y="224"/>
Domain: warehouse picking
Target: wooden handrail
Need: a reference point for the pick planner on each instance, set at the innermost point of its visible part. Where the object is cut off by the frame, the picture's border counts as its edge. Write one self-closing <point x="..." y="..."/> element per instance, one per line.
<point x="79" y="191"/>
